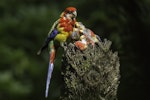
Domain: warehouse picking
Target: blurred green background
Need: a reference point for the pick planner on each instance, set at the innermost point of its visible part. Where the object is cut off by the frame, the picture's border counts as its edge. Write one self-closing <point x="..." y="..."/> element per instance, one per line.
<point x="24" y="24"/>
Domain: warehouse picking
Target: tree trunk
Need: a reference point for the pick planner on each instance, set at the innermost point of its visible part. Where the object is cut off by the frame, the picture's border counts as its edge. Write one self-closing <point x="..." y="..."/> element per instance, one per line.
<point x="92" y="74"/>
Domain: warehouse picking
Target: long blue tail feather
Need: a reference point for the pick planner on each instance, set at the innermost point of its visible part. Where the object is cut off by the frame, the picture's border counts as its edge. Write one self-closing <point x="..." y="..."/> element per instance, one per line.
<point x="50" y="70"/>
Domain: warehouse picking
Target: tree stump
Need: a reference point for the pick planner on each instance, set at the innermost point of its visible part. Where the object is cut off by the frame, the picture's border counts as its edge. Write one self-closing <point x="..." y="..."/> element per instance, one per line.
<point x="92" y="74"/>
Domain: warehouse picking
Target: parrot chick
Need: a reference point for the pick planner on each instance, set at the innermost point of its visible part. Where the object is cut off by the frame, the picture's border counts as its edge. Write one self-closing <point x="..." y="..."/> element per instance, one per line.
<point x="82" y="44"/>
<point x="84" y="36"/>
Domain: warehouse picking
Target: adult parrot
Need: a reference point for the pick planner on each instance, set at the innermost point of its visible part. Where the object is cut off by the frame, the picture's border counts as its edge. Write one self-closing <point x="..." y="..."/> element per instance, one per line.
<point x="59" y="33"/>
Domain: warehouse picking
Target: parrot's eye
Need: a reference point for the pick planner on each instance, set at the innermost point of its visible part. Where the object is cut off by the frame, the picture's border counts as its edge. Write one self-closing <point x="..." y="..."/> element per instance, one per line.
<point x="69" y="12"/>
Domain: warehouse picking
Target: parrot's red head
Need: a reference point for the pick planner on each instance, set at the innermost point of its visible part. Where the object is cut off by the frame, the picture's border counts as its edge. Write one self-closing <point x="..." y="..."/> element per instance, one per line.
<point x="70" y="9"/>
<point x="70" y="12"/>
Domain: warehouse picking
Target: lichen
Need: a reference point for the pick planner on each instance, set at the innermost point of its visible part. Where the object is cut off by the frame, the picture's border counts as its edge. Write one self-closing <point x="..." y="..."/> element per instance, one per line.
<point x="92" y="74"/>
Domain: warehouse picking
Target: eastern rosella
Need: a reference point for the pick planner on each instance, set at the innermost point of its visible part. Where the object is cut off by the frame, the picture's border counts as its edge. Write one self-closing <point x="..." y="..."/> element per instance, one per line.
<point x="84" y="36"/>
<point x="60" y="32"/>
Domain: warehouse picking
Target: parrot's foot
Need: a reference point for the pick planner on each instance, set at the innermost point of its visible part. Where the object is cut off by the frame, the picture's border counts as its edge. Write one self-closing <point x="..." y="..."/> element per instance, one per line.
<point x="64" y="45"/>
<point x="65" y="48"/>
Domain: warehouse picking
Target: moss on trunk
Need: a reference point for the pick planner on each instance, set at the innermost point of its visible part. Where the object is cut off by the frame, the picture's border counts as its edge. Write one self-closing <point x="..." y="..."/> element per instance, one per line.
<point x="92" y="74"/>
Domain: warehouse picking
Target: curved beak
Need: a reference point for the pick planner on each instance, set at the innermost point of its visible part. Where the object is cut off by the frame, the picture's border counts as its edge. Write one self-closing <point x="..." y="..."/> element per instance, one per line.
<point x="74" y="14"/>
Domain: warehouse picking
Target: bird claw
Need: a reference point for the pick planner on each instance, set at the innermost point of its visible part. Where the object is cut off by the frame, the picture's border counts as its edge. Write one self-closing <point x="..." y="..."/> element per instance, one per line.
<point x="64" y="46"/>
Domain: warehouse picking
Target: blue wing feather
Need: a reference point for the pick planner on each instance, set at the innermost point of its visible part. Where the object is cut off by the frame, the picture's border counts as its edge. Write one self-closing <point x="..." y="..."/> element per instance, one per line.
<point x="47" y="40"/>
<point x="53" y="34"/>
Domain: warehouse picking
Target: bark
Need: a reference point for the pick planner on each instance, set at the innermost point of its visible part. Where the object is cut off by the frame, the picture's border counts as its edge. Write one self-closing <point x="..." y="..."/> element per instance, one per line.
<point x="92" y="74"/>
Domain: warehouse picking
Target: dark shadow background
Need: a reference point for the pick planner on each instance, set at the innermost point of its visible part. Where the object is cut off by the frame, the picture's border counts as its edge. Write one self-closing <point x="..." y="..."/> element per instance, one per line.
<point x="24" y="24"/>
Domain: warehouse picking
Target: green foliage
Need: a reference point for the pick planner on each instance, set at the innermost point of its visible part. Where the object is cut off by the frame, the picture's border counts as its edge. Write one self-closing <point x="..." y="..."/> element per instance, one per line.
<point x="24" y="24"/>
